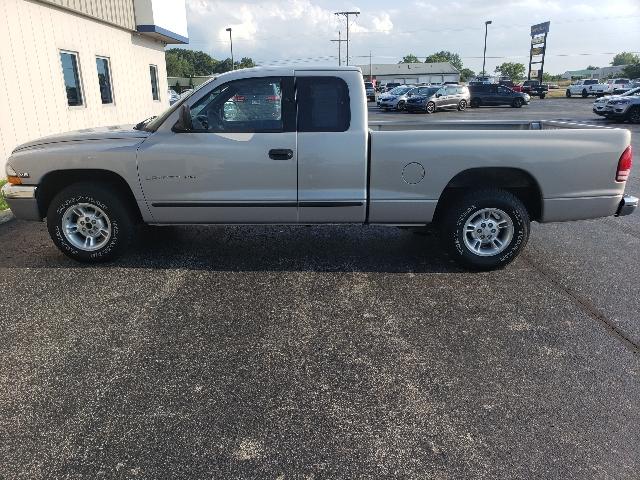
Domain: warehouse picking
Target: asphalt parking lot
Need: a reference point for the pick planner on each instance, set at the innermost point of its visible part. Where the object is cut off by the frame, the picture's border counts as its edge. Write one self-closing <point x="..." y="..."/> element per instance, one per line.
<point x="325" y="352"/>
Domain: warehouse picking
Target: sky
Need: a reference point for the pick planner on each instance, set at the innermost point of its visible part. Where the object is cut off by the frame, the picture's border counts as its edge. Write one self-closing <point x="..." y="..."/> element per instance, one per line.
<point x="275" y="32"/>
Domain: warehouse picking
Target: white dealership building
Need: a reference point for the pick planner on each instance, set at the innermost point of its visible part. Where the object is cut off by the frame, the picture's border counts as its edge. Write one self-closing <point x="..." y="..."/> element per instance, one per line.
<point x="72" y="64"/>
<point x="411" y="72"/>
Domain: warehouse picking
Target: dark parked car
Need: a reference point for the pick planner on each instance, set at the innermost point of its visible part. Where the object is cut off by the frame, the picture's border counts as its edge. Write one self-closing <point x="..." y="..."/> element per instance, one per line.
<point x="482" y="95"/>
<point x="535" y="88"/>
<point x="430" y="99"/>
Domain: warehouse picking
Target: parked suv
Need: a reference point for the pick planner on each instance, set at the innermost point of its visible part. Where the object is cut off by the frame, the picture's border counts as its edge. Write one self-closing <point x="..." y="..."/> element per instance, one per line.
<point x="600" y="104"/>
<point x="371" y="91"/>
<point x="582" y="87"/>
<point x="497" y="95"/>
<point x="431" y="99"/>
<point x="624" y="108"/>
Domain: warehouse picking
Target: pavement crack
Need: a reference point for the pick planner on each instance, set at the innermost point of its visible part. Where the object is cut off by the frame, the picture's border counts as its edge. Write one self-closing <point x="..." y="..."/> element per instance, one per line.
<point x="584" y="304"/>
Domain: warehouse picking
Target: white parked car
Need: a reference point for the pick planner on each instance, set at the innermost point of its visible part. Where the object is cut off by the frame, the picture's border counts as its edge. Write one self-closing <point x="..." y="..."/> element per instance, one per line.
<point x="600" y="103"/>
<point x="583" y="88"/>
<point x="613" y="86"/>
<point x="173" y="96"/>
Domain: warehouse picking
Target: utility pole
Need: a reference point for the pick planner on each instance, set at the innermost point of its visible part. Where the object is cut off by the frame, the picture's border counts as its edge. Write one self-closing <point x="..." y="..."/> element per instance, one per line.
<point x="370" y="68"/>
<point x="484" y="55"/>
<point x="231" y="40"/>
<point x="339" y="40"/>
<point x="346" y="15"/>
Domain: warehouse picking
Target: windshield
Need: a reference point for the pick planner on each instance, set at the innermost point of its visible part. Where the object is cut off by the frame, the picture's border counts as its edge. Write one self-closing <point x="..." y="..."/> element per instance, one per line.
<point x="152" y="124"/>
<point x="400" y="90"/>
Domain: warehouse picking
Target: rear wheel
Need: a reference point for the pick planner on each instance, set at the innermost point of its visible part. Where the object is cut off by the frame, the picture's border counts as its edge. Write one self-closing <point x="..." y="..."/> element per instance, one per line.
<point x="585" y="94"/>
<point x="431" y="107"/>
<point x="634" y="115"/>
<point x="485" y="229"/>
<point x="90" y="223"/>
<point x="568" y="94"/>
<point x="400" y="106"/>
<point x="475" y="103"/>
<point x="517" y="103"/>
<point x="462" y="106"/>
<point x="542" y="96"/>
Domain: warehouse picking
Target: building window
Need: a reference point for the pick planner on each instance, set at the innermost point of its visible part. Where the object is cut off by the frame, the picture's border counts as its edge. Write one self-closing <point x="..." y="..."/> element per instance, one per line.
<point x="71" y="75"/>
<point x="153" y="70"/>
<point x="104" y="80"/>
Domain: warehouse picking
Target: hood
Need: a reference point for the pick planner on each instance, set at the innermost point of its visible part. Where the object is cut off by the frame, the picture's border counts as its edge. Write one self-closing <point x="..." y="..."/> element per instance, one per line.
<point x="115" y="132"/>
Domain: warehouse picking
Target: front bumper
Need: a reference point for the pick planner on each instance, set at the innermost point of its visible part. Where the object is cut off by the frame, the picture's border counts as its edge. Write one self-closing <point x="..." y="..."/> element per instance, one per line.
<point x="22" y="201"/>
<point x="627" y="206"/>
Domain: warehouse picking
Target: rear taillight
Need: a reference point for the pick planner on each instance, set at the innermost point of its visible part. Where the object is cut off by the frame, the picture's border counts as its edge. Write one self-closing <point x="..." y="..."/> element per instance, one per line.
<point x="273" y="98"/>
<point x="238" y="98"/>
<point x="624" y="165"/>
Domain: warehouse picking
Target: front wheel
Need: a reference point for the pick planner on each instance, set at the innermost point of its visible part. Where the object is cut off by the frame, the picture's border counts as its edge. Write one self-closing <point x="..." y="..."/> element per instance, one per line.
<point x="89" y="223"/>
<point x="568" y="94"/>
<point x="542" y="96"/>
<point x="400" y="106"/>
<point x="475" y="103"/>
<point x="485" y="229"/>
<point x="431" y="107"/>
<point x="634" y="115"/>
<point x="517" y="103"/>
<point x="462" y="106"/>
<point x="585" y="94"/>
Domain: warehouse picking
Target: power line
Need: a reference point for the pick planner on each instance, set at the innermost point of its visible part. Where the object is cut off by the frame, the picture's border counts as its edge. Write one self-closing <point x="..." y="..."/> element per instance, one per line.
<point x="346" y="15"/>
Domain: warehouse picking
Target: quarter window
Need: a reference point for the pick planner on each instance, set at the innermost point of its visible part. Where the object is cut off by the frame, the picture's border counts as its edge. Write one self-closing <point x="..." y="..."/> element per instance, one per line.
<point x="153" y="71"/>
<point x="104" y="80"/>
<point x="71" y="76"/>
<point x="323" y="104"/>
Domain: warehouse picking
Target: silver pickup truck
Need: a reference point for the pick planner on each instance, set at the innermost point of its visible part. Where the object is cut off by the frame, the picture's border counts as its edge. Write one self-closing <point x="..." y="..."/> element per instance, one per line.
<point x="294" y="146"/>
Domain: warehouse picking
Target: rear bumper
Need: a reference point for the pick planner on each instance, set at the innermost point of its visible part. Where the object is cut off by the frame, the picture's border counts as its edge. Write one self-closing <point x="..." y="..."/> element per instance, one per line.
<point x="22" y="201"/>
<point x="627" y="206"/>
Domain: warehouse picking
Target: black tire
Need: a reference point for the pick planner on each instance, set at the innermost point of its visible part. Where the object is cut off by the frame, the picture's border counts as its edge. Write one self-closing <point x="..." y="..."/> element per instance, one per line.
<point x="568" y="94"/>
<point x="431" y="107"/>
<point x="400" y="106"/>
<point x="462" y="106"/>
<point x="114" y="208"/>
<point x="517" y="103"/>
<point x="585" y="94"/>
<point x="542" y="96"/>
<point x="634" y="115"/>
<point x="475" y="103"/>
<point x="453" y="220"/>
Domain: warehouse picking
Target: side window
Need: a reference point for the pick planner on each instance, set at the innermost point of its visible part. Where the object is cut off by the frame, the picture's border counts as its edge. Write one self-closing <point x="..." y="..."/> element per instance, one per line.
<point x="242" y="106"/>
<point x="323" y="104"/>
<point x="452" y="90"/>
<point x="153" y="72"/>
<point x="104" y="80"/>
<point x="71" y="76"/>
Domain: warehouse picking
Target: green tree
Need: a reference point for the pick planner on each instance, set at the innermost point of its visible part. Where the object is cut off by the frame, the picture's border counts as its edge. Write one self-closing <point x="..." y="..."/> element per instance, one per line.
<point x="632" y="71"/>
<point x="223" y="66"/>
<point x="184" y="63"/>
<point x="549" y="77"/>
<point x="245" y="62"/>
<point x="515" y="71"/>
<point x="445" y="56"/>
<point x="625" y="58"/>
<point x="411" y="58"/>
<point x="466" y="74"/>
<point x="591" y="67"/>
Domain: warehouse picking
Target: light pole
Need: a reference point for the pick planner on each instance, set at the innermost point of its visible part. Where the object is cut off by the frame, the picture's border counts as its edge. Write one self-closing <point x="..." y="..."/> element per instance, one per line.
<point x="231" y="41"/>
<point x="484" y="55"/>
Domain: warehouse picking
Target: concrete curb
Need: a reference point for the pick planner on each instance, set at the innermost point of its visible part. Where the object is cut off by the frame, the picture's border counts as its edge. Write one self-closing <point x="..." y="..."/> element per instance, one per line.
<point x="5" y="216"/>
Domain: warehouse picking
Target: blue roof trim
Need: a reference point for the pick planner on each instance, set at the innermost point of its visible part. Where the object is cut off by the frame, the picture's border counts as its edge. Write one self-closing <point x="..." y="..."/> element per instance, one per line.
<point x="161" y="31"/>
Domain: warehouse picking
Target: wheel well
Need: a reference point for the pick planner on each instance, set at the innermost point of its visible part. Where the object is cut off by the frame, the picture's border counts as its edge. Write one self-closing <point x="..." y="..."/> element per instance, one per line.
<point x="54" y="182"/>
<point x="514" y="180"/>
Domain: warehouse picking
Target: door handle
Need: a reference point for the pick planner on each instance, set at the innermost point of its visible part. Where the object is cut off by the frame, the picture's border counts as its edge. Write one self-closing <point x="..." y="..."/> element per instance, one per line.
<point x="280" y="154"/>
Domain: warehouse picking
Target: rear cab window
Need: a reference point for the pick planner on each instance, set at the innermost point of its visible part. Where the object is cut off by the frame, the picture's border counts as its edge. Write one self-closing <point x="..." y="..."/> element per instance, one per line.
<point x="323" y="104"/>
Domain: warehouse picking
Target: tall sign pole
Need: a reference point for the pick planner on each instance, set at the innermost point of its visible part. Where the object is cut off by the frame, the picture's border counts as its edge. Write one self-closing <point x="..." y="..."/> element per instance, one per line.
<point x="538" y="50"/>
<point x="346" y="15"/>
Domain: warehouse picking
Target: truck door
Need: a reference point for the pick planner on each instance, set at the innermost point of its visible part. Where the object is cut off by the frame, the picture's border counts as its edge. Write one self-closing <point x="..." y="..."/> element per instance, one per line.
<point x="237" y="164"/>
<point x="332" y="147"/>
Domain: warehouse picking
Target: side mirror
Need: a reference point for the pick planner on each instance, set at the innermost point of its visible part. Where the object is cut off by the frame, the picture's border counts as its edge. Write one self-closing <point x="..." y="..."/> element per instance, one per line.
<point x="438" y="95"/>
<point x="184" y="123"/>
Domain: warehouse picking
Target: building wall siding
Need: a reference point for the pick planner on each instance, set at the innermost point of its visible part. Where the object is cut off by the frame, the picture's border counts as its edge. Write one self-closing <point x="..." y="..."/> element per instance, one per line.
<point x="33" y="100"/>
<point x="117" y="12"/>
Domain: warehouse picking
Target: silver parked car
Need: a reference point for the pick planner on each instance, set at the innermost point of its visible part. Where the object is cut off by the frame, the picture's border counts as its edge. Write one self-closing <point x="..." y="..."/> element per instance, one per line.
<point x="371" y="91"/>
<point x="396" y="99"/>
<point x="600" y="104"/>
